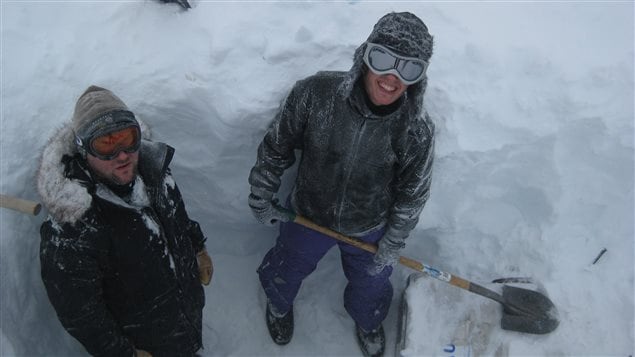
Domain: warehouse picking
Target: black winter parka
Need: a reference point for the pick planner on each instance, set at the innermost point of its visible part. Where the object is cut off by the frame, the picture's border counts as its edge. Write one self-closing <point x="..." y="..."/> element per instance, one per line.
<point x="124" y="275"/>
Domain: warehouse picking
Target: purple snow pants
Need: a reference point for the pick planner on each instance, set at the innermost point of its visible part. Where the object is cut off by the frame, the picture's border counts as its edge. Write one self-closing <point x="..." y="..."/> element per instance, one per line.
<point x="295" y="256"/>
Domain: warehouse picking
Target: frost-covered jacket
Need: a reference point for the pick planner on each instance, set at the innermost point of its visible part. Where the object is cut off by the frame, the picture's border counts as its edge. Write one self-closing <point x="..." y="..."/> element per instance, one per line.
<point x="120" y="275"/>
<point x="358" y="171"/>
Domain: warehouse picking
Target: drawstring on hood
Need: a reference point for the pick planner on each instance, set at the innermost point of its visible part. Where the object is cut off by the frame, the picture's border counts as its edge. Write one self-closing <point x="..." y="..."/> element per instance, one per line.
<point x="406" y="34"/>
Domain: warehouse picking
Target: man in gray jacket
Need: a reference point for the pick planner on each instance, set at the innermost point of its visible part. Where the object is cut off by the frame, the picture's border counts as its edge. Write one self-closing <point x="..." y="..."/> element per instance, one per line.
<point x="365" y="171"/>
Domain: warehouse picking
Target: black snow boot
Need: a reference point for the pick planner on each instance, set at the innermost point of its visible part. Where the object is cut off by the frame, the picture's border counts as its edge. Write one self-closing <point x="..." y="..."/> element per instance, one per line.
<point x="372" y="343"/>
<point x="280" y="326"/>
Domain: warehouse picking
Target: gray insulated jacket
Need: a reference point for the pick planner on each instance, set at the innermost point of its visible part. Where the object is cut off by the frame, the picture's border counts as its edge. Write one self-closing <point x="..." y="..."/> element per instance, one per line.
<point x="358" y="171"/>
<point x="120" y="274"/>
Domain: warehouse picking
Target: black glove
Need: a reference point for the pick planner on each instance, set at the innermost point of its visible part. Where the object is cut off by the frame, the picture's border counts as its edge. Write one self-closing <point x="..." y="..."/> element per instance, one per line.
<point x="265" y="210"/>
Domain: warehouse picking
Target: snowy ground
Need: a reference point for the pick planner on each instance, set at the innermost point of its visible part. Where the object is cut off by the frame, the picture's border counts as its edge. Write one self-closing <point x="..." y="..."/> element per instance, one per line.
<point x="534" y="172"/>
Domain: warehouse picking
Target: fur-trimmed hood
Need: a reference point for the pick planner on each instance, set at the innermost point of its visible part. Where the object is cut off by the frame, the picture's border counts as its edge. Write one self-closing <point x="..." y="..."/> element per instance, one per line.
<point x="65" y="198"/>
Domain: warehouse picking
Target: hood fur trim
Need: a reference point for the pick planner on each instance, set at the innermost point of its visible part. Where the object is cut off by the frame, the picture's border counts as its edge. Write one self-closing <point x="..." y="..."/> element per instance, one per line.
<point x="66" y="200"/>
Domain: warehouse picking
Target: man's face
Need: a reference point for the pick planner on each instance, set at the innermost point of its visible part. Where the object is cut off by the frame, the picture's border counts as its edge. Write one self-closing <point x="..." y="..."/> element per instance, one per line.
<point x="121" y="170"/>
<point x="383" y="89"/>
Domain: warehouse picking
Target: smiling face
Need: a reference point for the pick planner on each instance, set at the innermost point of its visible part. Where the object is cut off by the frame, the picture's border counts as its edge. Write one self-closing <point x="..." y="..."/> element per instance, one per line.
<point x="383" y="89"/>
<point x="121" y="170"/>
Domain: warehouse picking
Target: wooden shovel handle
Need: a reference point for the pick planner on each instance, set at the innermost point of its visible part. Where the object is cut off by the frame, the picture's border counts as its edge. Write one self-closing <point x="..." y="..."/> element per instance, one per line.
<point x="20" y="205"/>
<point x="410" y="263"/>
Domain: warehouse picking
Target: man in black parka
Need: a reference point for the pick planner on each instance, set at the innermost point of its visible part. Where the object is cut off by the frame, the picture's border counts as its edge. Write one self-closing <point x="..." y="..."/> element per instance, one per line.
<point x="121" y="260"/>
<point x="367" y="148"/>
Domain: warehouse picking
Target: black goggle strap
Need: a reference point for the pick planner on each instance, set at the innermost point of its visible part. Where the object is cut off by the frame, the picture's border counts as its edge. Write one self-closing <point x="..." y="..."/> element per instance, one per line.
<point x="105" y="123"/>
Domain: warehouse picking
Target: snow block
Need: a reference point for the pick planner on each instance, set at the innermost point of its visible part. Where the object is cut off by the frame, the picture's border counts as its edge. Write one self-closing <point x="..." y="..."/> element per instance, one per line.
<point x="438" y="319"/>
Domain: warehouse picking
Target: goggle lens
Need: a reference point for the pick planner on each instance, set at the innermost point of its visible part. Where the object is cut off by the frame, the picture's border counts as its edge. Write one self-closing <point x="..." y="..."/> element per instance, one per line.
<point x="380" y="59"/>
<point x="383" y="61"/>
<point x="107" y="147"/>
<point x="410" y="70"/>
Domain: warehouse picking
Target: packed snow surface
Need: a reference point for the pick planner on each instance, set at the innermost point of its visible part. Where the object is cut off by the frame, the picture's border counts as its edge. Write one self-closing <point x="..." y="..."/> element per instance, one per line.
<point x="533" y="104"/>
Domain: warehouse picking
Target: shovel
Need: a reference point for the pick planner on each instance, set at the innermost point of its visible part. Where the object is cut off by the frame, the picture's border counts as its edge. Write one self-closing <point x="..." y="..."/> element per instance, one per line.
<point x="20" y="205"/>
<point x="524" y="310"/>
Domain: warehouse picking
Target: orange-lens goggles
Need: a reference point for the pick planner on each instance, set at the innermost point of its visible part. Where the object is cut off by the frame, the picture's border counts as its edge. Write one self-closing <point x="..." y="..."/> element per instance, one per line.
<point x="107" y="147"/>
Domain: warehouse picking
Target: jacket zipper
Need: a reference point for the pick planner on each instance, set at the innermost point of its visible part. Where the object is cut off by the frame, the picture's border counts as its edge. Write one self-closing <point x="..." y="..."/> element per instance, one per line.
<point x="349" y="170"/>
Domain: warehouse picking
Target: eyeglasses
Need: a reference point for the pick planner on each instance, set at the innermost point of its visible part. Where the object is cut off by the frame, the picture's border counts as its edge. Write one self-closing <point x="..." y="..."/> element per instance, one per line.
<point x="108" y="146"/>
<point x="381" y="61"/>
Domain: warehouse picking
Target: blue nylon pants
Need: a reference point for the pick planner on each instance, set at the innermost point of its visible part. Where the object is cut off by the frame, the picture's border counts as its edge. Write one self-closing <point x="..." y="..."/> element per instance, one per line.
<point x="298" y="250"/>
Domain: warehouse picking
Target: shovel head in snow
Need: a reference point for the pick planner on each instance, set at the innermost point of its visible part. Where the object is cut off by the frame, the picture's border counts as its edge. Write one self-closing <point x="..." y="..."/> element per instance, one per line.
<point x="528" y="311"/>
<point x="524" y="310"/>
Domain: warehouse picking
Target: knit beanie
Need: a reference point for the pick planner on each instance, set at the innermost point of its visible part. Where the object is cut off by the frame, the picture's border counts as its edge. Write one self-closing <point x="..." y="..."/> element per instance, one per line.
<point x="404" y="33"/>
<point x="97" y="112"/>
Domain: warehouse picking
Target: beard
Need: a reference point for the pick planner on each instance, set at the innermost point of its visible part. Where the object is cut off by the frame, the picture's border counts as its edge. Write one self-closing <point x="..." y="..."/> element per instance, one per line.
<point x="117" y="180"/>
<point x="113" y="178"/>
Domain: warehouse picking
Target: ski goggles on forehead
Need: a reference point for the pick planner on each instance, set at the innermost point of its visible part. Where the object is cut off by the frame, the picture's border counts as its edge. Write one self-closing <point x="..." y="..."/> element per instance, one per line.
<point x="108" y="146"/>
<point x="381" y="61"/>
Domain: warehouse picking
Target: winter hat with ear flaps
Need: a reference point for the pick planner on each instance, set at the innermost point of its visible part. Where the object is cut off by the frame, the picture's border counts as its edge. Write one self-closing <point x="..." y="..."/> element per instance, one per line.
<point x="97" y="112"/>
<point x="404" y="33"/>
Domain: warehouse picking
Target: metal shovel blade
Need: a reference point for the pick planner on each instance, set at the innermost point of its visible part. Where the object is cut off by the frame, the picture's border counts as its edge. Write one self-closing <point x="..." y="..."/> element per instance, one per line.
<point x="528" y="311"/>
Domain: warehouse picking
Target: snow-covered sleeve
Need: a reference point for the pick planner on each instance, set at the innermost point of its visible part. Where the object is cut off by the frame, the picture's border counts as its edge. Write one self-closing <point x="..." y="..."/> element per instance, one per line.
<point x="276" y="152"/>
<point x="72" y="275"/>
<point x="413" y="183"/>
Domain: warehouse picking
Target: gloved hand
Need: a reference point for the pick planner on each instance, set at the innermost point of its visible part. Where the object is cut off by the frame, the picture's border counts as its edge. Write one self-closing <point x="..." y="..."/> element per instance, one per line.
<point x="265" y="211"/>
<point x="387" y="254"/>
<point x="141" y="353"/>
<point x="205" y="266"/>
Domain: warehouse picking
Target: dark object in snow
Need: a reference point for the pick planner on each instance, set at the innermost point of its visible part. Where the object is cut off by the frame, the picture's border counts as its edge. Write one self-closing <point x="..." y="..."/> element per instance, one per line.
<point x="371" y="343"/>
<point x="184" y="4"/>
<point x="402" y="317"/>
<point x="599" y="255"/>
<point x="521" y="280"/>
<point x="280" y="327"/>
